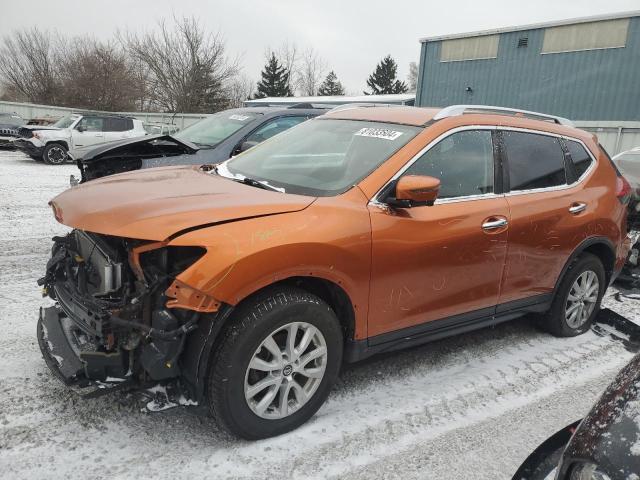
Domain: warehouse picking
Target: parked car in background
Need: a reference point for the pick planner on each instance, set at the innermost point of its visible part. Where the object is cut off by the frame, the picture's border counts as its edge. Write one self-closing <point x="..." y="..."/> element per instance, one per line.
<point x="61" y="141"/>
<point x="629" y="165"/>
<point x="358" y="232"/>
<point x="9" y="125"/>
<point x="210" y="141"/>
<point x="161" y="128"/>
<point x="605" y="445"/>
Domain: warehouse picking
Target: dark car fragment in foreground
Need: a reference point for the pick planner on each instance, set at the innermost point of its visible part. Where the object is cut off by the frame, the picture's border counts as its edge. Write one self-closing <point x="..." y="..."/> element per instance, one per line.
<point x="605" y="445"/>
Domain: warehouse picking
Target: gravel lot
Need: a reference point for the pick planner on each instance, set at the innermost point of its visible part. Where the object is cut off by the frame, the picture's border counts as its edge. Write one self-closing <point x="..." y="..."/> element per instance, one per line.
<point x="470" y="407"/>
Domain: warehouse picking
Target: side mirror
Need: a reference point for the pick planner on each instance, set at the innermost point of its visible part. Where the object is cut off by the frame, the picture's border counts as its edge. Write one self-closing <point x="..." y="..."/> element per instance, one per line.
<point x="246" y="146"/>
<point x="415" y="190"/>
<point x="81" y="128"/>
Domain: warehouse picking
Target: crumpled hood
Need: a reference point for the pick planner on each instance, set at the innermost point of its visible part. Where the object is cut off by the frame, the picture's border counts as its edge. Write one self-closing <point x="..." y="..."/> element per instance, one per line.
<point x="157" y="203"/>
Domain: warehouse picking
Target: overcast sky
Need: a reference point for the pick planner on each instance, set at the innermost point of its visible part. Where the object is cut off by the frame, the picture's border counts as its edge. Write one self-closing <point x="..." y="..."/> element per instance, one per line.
<point x="352" y="35"/>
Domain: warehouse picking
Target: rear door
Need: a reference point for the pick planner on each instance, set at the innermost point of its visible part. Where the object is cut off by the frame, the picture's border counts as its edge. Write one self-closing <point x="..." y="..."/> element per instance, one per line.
<point x="446" y="260"/>
<point x="116" y="128"/>
<point x="551" y="213"/>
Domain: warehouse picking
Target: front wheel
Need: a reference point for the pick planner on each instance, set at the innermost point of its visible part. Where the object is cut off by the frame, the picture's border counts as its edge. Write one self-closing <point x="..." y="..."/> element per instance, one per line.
<point x="54" y="154"/>
<point x="276" y="364"/>
<point x="578" y="297"/>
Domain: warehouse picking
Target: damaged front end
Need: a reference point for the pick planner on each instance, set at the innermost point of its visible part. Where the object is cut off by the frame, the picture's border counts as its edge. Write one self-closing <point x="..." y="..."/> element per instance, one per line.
<point x="111" y="325"/>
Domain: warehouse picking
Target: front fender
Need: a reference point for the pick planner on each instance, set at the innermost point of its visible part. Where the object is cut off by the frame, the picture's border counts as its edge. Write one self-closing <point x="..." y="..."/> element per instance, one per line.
<point x="244" y="256"/>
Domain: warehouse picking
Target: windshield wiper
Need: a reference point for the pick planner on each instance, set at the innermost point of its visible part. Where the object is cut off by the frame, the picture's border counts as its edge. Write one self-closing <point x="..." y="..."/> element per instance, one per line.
<point x="257" y="184"/>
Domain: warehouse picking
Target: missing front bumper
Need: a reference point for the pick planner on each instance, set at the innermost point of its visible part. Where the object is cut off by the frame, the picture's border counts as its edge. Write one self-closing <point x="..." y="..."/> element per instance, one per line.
<point x="88" y="373"/>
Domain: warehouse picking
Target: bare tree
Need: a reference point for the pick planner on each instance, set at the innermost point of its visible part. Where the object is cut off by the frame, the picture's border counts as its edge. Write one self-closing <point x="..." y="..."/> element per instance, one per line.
<point x="29" y="65"/>
<point x="97" y="76"/>
<point x="188" y="69"/>
<point x="240" y="89"/>
<point x="310" y="72"/>
<point x="412" y="78"/>
<point x="287" y="55"/>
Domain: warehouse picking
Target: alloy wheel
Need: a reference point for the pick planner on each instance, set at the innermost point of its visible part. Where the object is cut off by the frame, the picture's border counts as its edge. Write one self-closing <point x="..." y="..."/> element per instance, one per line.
<point x="56" y="155"/>
<point x="285" y="371"/>
<point x="582" y="299"/>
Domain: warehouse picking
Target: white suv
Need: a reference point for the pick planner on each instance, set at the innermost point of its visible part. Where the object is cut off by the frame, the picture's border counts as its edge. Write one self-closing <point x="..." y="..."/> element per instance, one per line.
<point x="69" y="136"/>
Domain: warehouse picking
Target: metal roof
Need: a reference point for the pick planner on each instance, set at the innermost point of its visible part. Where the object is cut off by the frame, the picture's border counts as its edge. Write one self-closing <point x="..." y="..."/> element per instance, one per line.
<point x="333" y="100"/>
<point x="533" y="26"/>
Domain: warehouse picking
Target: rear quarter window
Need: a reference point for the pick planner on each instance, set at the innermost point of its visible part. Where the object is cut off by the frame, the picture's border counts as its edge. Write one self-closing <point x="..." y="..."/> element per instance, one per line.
<point x="579" y="157"/>
<point x="534" y="161"/>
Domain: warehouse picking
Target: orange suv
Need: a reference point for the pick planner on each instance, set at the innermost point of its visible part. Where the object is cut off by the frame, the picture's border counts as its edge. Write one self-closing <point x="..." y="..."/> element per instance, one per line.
<point x="244" y="286"/>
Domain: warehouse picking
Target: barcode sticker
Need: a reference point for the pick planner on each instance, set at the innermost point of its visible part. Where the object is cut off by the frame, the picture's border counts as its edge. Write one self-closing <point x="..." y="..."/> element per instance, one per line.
<point x="383" y="133"/>
<point x="240" y="118"/>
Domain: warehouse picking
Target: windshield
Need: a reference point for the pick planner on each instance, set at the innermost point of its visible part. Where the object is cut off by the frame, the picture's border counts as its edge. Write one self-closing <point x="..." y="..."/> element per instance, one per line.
<point x="66" y="121"/>
<point x="214" y="129"/>
<point x="321" y="157"/>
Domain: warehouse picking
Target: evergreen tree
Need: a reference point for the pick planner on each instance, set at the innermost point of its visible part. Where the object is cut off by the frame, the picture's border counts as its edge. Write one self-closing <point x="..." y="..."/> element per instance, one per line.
<point x="383" y="79"/>
<point x="275" y="80"/>
<point x="331" y="85"/>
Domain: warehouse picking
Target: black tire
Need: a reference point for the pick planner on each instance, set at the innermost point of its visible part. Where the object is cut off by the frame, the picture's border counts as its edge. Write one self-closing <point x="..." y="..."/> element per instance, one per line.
<point x="555" y="320"/>
<point x="254" y="321"/>
<point x="55" y="154"/>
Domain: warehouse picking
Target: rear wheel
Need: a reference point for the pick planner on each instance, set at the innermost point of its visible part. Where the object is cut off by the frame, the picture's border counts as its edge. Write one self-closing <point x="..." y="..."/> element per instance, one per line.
<point x="276" y="364"/>
<point x="54" y="154"/>
<point x="578" y="297"/>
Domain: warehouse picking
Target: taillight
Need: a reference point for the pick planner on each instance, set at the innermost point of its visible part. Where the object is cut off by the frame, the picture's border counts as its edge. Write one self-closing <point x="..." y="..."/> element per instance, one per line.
<point x="623" y="189"/>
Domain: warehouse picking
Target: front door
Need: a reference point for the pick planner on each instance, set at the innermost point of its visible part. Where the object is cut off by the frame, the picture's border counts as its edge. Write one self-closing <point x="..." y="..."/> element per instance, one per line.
<point x="88" y="131"/>
<point x="446" y="260"/>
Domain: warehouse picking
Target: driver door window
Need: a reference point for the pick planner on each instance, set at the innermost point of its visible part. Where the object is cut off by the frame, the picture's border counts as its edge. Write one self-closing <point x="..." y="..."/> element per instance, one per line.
<point x="90" y="124"/>
<point x="462" y="161"/>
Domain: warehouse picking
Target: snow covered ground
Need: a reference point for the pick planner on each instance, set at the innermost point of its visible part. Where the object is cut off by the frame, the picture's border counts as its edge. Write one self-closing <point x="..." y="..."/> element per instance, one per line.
<point x="470" y="407"/>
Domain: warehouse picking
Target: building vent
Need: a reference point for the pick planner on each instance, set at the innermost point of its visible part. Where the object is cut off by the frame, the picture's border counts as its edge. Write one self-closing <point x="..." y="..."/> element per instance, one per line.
<point x="523" y="42"/>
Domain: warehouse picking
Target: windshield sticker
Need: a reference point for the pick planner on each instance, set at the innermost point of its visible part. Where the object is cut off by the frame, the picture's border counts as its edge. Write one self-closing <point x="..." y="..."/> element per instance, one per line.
<point x="383" y="133"/>
<point x="240" y="118"/>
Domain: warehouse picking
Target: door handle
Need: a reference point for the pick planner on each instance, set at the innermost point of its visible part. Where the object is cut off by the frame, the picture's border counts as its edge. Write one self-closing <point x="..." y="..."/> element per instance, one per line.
<point x="495" y="224"/>
<point x="577" y="207"/>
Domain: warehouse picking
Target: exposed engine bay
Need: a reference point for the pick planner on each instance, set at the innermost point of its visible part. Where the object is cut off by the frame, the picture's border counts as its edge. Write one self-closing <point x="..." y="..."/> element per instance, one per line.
<point x="110" y="324"/>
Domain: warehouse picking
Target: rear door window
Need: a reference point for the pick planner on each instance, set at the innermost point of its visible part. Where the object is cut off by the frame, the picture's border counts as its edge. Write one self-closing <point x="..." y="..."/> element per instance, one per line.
<point x="115" y="124"/>
<point x="462" y="161"/>
<point x="534" y="161"/>
<point x="579" y="157"/>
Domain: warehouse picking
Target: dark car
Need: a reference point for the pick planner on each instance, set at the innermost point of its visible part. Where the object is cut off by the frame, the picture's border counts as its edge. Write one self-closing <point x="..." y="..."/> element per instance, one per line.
<point x="605" y="445"/>
<point x="9" y="125"/>
<point x="210" y="141"/>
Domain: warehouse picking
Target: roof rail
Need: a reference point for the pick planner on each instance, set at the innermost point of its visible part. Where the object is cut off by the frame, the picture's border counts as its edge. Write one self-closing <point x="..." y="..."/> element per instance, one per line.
<point x="351" y="106"/>
<point x="455" y="110"/>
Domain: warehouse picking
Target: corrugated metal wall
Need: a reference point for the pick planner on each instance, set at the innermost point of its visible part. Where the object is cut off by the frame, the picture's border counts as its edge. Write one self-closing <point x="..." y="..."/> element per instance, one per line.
<point x="31" y="110"/>
<point x="588" y="85"/>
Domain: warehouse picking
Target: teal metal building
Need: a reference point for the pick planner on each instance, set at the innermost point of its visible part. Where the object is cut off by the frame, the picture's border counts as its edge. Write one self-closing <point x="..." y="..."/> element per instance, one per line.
<point x="584" y="69"/>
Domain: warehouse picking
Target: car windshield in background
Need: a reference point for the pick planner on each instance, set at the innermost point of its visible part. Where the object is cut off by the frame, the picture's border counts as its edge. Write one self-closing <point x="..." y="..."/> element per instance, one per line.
<point x="65" y="122"/>
<point x="321" y="157"/>
<point x="214" y="129"/>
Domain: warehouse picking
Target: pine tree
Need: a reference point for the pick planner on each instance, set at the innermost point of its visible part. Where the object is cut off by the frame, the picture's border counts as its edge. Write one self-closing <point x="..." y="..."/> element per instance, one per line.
<point x="275" y="80"/>
<point x="331" y="85"/>
<point x="383" y="79"/>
